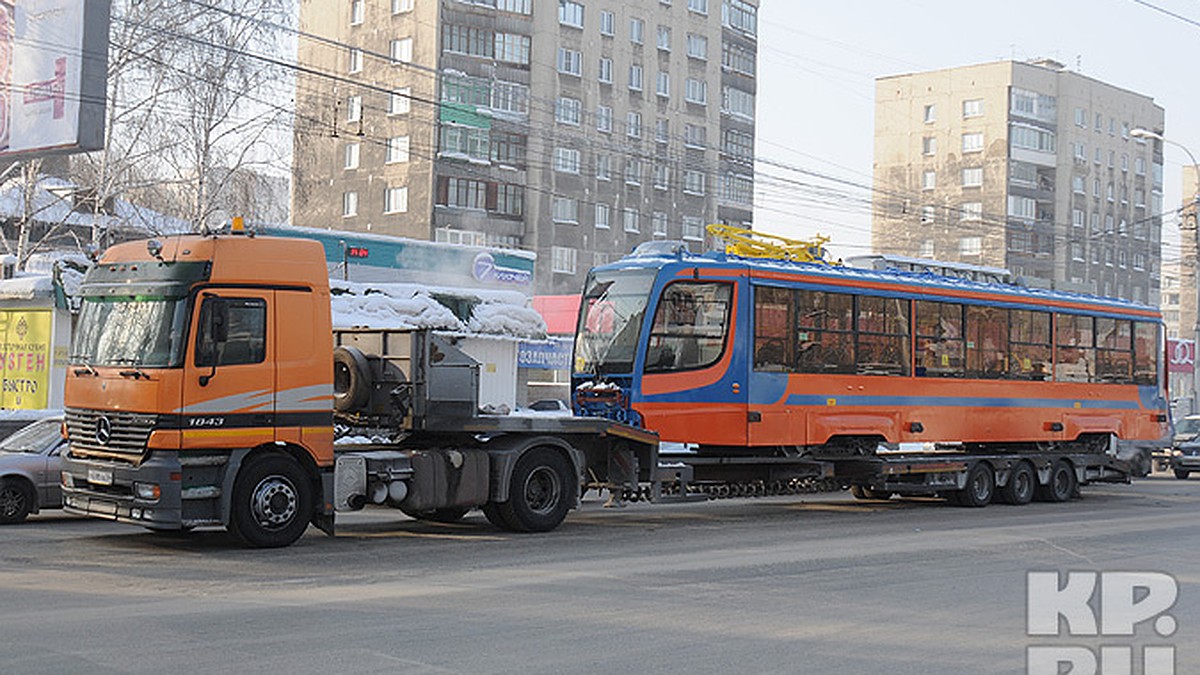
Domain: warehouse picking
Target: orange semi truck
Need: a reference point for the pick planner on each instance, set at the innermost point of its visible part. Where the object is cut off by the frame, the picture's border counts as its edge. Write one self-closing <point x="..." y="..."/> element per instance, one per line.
<point x="206" y="379"/>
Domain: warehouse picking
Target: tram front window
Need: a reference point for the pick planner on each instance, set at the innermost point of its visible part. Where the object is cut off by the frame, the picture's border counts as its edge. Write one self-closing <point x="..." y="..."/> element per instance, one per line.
<point x="610" y="322"/>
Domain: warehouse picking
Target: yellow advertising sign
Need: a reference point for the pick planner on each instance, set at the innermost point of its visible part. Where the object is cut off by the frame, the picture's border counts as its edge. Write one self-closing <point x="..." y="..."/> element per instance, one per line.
<point x="25" y="358"/>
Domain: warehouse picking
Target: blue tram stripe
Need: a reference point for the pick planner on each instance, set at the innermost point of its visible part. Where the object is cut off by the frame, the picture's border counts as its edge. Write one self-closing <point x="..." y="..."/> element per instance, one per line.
<point x="957" y="402"/>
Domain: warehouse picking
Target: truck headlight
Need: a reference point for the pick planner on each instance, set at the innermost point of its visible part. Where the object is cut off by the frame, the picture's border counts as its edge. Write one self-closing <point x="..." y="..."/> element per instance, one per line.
<point x="147" y="491"/>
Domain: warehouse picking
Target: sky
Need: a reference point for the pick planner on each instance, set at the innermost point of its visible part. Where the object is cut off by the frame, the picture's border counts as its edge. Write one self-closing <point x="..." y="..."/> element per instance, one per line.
<point x="818" y="62"/>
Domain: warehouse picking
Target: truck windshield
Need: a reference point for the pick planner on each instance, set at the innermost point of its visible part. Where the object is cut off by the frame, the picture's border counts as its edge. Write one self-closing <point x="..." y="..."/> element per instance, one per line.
<point x="610" y="321"/>
<point x="144" y="331"/>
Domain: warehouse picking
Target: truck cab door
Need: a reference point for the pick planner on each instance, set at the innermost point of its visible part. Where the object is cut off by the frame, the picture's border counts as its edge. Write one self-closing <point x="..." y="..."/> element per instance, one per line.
<point x="229" y="376"/>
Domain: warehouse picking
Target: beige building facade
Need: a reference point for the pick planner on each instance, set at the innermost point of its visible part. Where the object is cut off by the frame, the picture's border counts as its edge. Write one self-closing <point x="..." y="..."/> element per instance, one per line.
<point x="1025" y="166"/>
<point x="575" y="129"/>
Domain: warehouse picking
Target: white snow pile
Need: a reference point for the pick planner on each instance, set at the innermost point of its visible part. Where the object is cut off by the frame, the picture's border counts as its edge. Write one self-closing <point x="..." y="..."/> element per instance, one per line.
<point x="410" y="306"/>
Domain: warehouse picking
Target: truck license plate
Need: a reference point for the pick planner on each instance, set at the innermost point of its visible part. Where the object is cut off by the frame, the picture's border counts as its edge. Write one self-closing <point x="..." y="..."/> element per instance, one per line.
<point x="100" y="477"/>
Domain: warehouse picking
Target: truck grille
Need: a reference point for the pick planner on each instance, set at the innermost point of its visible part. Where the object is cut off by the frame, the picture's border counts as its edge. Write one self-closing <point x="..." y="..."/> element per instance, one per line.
<point x="124" y="436"/>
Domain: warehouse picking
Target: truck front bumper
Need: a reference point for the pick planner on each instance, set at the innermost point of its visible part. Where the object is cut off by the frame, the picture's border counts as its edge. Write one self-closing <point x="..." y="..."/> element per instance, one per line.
<point x="146" y="495"/>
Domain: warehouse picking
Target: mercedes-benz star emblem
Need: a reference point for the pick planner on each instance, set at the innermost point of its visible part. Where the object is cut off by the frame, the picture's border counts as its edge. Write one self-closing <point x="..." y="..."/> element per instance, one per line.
<point x="103" y="431"/>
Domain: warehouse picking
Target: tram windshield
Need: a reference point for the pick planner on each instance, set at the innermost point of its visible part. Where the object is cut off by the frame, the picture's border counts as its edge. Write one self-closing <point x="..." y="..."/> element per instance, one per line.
<point x="610" y="321"/>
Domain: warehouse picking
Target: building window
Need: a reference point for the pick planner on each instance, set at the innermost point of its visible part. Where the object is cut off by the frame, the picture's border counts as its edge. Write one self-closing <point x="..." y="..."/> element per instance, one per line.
<point x="637" y="30"/>
<point x="693" y="228"/>
<point x="662" y="176"/>
<point x="659" y="223"/>
<point x="566" y="160"/>
<point x="740" y="16"/>
<point x="510" y="199"/>
<point x="464" y="193"/>
<point x="664" y="84"/>
<point x="1081" y="117"/>
<point x="603" y="167"/>
<point x="604" y="119"/>
<point x="570" y="61"/>
<point x="630" y="218"/>
<point x="972" y="176"/>
<point x="695" y="136"/>
<point x="514" y="6"/>
<point x="356" y="12"/>
<point x="400" y="101"/>
<point x="633" y="172"/>
<point x="695" y="91"/>
<point x="1077" y="218"/>
<point x="697" y="47"/>
<point x="510" y="97"/>
<point x="664" y="38"/>
<point x="929" y="146"/>
<point x="568" y="110"/>
<point x="570" y="13"/>
<point x="973" y="108"/>
<point x="1139" y="166"/>
<point x="607" y="23"/>
<point x="736" y="189"/>
<point x="465" y="40"/>
<point x="395" y="200"/>
<point x="353" y="108"/>
<point x="1032" y="138"/>
<point x="356" y="60"/>
<point x="566" y="210"/>
<point x="349" y="204"/>
<point x="513" y="48"/>
<point x="1077" y="185"/>
<point x="351" y="156"/>
<point x="401" y="50"/>
<point x="563" y="259"/>
<point x="737" y="102"/>
<point x="605" y="70"/>
<point x="971" y="211"/>
<point x="633" y="125"/>
<point x="635" y="77"/>
<point x="399" y="6"/>
<point x="972" y="142"/>
<point x="1077" y="252"/>
<point x="970" y="245"/>
<point x="1024" y="208"/>
<point x="698" y="6"/>
<point x="928" y="215"/>
<point x="397" y="149"/>
<point x="693" y="182"/>
<point x="926" y="249"/>
<point x="603" y="216"/>
<point x="928" y="179"/>
<point x="457" y="141"/>
<point x="662" y="130"/>
<point x="930" y="113"/>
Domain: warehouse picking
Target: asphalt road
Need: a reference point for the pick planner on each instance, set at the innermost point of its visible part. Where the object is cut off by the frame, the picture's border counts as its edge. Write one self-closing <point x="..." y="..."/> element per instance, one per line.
<point x="805" y="584"/>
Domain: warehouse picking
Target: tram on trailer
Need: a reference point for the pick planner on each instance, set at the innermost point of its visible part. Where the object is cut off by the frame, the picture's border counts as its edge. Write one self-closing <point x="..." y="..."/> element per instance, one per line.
<point x="758" y="354"/>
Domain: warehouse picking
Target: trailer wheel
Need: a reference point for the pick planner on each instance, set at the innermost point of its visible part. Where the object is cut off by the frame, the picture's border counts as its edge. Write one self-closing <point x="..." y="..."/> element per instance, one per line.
<point x="1182" y="474"/>
<point x="539" y="493"/>
<point x="980" y="488"/>
<point x="16" y="500"/>
<point x="272" y="502"/>
<point x="446" y="515"/>
<point x="1062" y="485"/>
<point x="864" y="492"/>
<point x="1021" y="484"/>
<point x="492" y="512"/>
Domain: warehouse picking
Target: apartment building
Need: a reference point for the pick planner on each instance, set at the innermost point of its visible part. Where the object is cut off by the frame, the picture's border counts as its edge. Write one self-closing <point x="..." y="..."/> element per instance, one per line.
<point x="1026" y="166"/>
<point x="576" y="130"/>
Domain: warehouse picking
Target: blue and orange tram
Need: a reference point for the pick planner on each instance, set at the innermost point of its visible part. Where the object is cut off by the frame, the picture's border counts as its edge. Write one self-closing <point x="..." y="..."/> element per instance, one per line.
<point x="750" y="356"/>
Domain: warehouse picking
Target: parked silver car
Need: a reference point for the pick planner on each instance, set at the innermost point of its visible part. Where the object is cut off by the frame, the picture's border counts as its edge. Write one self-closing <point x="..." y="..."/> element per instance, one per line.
<point x="29" y="470"/>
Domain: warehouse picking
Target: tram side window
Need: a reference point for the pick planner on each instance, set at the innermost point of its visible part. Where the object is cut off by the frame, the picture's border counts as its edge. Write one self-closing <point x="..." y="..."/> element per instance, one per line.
<point x="1029" y="340"/>
<point x="772" y="346"/>
<point x="883" y="347"/>
<point x="690" y="326"/>
<point x="939" y="339"/>
<point x="1145" y="352"/>
<point x="824" y="332"/>
<point x="987" y="342"/>
<point x="1114" y="350"/>
<point x="1076" y="357"/>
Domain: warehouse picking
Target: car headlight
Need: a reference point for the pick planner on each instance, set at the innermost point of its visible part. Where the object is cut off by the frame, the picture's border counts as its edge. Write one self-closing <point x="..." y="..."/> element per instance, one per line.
<point x="68" y="481"/>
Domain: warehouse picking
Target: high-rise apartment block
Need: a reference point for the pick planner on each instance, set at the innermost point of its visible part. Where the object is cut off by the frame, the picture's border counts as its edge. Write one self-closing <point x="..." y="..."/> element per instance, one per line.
<point x="1021" y="165"/>
<point x="577" y="129"/>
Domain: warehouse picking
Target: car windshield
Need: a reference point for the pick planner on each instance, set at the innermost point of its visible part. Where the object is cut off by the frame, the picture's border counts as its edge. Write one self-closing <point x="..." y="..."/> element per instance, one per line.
<point x="1188" y="426"/>
<point x="33" y="438"/>
<point x="610" y="321"/>
<point x="130" y="330"/>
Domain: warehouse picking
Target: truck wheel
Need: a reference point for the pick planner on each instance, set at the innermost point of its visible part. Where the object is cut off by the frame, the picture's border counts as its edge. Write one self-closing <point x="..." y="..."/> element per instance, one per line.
<point x="539" y="494"/>
<point x="1021" y="484"/>
<point x="16" y="500"/>
<point x="1062" y="483"/>
<point x="447" y="515"/>
<point x="272" y="502"/>
<point x="492" y="512"/>
<point x="981" y="486"/>
<point x="1182" y="474"/>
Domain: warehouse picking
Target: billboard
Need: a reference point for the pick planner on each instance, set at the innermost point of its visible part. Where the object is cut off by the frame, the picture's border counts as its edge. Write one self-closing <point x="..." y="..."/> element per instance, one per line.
<point x="25" y="358"/>
<point x="53" y="71"/>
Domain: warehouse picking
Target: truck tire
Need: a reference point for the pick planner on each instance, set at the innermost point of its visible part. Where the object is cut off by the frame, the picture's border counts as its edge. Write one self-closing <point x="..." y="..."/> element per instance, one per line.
<point x="1062" y="485"/>
<point x="446" y="515"/>
<point x="272" y="502"/>
<point x="351" y="380"/>
<point x="1021" y="485"/>
<point x="1182" y="474"/>
<point x="17" y="499"/>
<point x="539" y="493"/>
<point x="491" y="511"/>
<point x="980" y="487"/>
